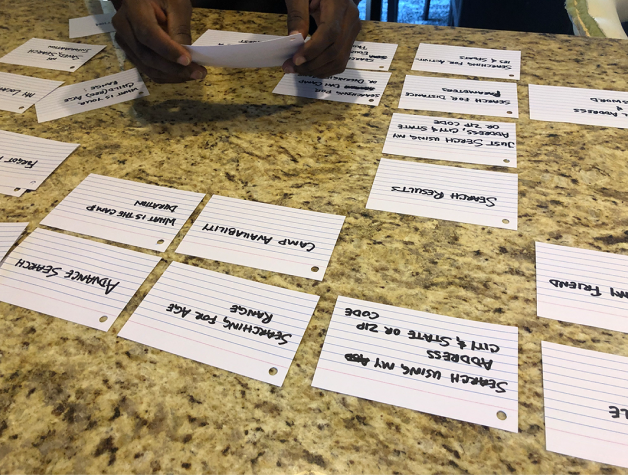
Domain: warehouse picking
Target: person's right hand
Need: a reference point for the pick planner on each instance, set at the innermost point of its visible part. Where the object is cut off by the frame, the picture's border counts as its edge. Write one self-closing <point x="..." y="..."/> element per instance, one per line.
<point x="151" y="33"/>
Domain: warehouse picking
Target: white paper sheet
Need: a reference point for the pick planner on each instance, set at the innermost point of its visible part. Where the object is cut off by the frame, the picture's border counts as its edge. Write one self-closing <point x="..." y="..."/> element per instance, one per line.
<point x="26" y="161"/>
<point x="125" y="211"/>
<point x="460" y="96"/>
<point x="91" y="25"/>
<point x="276" y="238"/>
<point x="90" y="95"/>
<point x="369" y="55"/>
<point x="449" y="193"/>
<point x="10" y="191"/>
<point x="579" y="106"/>
<point x="9" y="234"/>
<point x="18" y="93"/>
<point x="235" y="324"/>
<point x="456" y="140"/>
<point x="356" y="87"/>
<point x="488" y="63"/>
<point x="73" y="279"/>
<point x="581" y="286"/>
<point x="446" y="366"/>
<point x="221" y="37"/>
<point x="265" y="54"/>
<point x="586" y="403"/>
<point x="50" y="54"/>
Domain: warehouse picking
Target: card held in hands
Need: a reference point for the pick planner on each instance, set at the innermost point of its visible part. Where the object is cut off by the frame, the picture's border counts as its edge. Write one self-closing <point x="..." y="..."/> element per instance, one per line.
<point x="231" y="323"/>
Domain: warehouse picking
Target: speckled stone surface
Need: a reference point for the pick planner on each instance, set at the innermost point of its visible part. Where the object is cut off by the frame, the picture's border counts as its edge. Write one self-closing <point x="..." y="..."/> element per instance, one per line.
<point x="76" y="400"/>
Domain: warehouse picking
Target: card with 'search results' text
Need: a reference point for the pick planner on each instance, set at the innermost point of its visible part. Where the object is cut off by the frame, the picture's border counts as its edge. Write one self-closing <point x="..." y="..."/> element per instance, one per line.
<point x="582" y="286"/>
<point x="586" y="403"/>
<point x="125" y="211"/>
<point x="231" y="323"/>
<point x="449" y="193"/>
<point x="450" y="367"/>
<point x="50" y="54"/>
<point x="18" y="93"/>
<point x="456" y="140"/>
<point x="264" y="236"/>
<point x="74" y="279"/>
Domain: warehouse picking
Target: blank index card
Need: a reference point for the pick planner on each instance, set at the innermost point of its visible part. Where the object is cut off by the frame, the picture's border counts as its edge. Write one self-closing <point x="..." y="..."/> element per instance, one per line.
<point x="91" y="25"/>
<point x="90" y="95"/>
<point x="18" y="93"/>
<point x="369" y="55"/>
<point x="125" y="211"/>
<point x="26" y="161"/>
<point x="356" y="87"/>
<point x="579" y="106"/>
<point x="461" y="96"/>
<point x="50" y="54"/>
<point x="441" y="365"/>
<point x="264" y="236"/>
<point x="449" y="193"/>
<point x="581" y="286"/>
<point x="586" y="403"/>
<point x="71" y="278"/>
<point x="9" y="233"/>
<point x="488" y="63"/>
<point x="235" y="324"/>
<point x="456" y="140"/>
<point x="11" y="191"/>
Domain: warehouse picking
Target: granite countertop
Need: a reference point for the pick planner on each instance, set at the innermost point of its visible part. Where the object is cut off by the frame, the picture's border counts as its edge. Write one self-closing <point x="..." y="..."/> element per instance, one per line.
<point x="77" y="400"/>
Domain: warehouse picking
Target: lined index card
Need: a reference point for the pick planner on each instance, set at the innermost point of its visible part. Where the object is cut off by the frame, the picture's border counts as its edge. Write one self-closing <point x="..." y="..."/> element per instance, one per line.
<point x="235" y="324"/>
<point x="582" y="286"/>
<point x="369" y="55"/>
<point x="456" y="140"/>
<point x="586" y="403"/>
<point x="356" y="87"/>
<point x="91" y="25"/>
<point x="446" y="366"/>
<point x="488" y="63"/>
<point x="50" y="54"/>
<point x="125" y="211"/>
<point x="18" y="93"/>
<point x="9" y="233"/>
<point x="81" y="281"/>
<point x="579" y="106"/>
<point x="461" y="96"/>
<point x="26" y="161"/>
<point x="90" y="95"/>
<point x="11" y="191"/>
<point x="439" y="192"/>
<point x="270" y="237"/>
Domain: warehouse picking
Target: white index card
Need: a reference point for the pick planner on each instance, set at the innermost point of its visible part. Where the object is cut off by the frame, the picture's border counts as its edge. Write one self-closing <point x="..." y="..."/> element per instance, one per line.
<point x="251" y="54"/>
<point x="586" y="403"/>
<point x="26" y="161"/>
<point x="91" y="25"/>
<point x="221" y="37"/>
<point x="90" y="95"/>
<point x="449" y="193"/>
<point x="483" y="62"/>
<point x="125" y="211"/>
<point x="581" y="286"/>
<point x="354" y="86"/>
<point x="9" y="234"/>
<point x="18" y="93"/>
<point x="74" y="279"/>
<point x="264" y="236"/>
<point x="462" y="96"/>
<point x="368" y="55"/>
<point x="50" y="54"/>
<point x="456" y="140"/>
<point x="579" y="106"/>
<point x="450" y="367"/>
<point x="234" y="324"/>
<point x="12" y="191"/>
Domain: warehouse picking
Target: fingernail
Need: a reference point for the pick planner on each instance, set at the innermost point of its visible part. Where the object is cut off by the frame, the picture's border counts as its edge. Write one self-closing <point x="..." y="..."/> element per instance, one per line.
<point x="299" y="60"/>
<point x="197" y="74"/>
<point x="183" y="60"/>
<point x="294" y="32"/>
<point x="288" y="69"/>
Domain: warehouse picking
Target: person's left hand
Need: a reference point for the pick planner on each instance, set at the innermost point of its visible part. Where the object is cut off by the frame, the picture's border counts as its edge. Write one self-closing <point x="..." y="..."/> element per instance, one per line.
<point x="327" y="52"/>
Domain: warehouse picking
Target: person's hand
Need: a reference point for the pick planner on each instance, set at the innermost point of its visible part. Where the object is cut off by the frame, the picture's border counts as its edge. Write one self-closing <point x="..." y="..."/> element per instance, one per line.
<point x="151" y="33"/>
<point x="327" y="52"/>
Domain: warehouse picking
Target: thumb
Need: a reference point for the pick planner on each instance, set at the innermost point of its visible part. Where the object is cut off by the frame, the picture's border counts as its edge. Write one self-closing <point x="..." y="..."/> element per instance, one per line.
<point x="298" y="16"/>
<point x="179" y="18"/>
